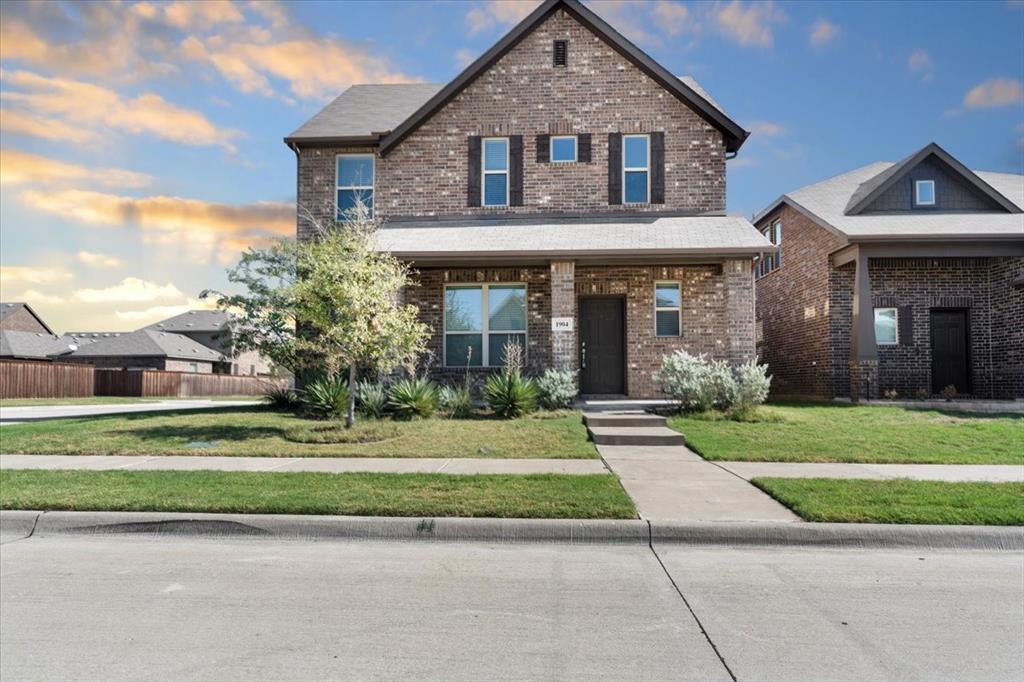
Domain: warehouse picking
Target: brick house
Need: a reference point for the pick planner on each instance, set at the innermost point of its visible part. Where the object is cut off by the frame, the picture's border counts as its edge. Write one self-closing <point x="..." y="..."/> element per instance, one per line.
<point x="903" y="276"/>
<point x="564" y="192"/>
<point x="143" y="349"/>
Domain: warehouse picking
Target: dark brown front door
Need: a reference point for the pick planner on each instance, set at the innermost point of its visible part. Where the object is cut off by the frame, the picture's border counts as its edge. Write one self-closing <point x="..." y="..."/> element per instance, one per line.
<point x="950" y="362"/>
<point x="602" y="346"/>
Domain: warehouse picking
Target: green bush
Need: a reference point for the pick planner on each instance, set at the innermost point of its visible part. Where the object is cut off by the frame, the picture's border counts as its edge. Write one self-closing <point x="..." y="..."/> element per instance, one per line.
<point x="752" y="386"/>
<point x="371" y="398"/>
<point x="510" y="395"/>
<point x="556" y="388"/>
<point x="326" y="398"/>
<point x="283" y="398"/>
<point x="455" y="401"/>
<point x="415" y="397"/>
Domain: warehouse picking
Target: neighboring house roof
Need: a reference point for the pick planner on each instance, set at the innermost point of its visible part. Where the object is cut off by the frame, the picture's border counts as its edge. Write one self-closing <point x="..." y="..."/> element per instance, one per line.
<point x="365" y="115"/>
<point x="574" y="238"/>
<point x="145" y="343"/>
<point x="827" y="203"/>
<point x="195" y="321"/>
<point x="33" y="345"/>
<point x="14" y="306"/>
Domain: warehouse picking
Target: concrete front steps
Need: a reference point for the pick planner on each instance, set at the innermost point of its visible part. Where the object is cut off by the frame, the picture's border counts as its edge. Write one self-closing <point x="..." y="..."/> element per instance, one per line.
<point x="630" y="428"/>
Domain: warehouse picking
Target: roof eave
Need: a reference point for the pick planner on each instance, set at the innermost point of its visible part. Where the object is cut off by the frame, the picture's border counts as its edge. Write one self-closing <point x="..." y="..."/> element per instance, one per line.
<point x="334" y="140"/>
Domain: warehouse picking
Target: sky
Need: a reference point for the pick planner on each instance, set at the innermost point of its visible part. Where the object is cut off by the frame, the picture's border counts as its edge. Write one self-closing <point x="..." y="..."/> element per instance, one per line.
<point x="141" y="142"/>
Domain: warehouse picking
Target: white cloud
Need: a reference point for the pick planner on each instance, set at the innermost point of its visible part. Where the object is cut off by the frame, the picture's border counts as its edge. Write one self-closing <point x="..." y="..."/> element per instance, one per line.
<point x="920" y="63"/>
<point x="17" y="122"/>
<point x="129" y="290"/>
<point x="766" y="128"/>
<point x="498" y="13"/>
<point x="995" y="92"/>
<point x="823" y="32"/>
<point x="464" y="57"/>
<point x="17" y="168"/>
<point x="98" y="260"/>
<point x="672" y="17"/>
<point x="34" y="297"/>
<point x="33" y="274"/>
<point x="162" y="312"/>
<point x="749" y="25"/>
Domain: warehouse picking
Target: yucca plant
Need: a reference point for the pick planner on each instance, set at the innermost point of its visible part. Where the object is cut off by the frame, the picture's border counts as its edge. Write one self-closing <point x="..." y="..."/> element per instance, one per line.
<point x="455" y="401"/>
<point x="283" y="398"/>
<point x="510" y="395"/>
<point x="327" y="397"/>
<point x="372" y="398"/>
<point x="413" y="397"/>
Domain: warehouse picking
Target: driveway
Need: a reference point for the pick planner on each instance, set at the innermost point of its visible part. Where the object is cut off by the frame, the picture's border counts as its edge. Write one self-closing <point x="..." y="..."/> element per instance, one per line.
<point x="15" y="415"/>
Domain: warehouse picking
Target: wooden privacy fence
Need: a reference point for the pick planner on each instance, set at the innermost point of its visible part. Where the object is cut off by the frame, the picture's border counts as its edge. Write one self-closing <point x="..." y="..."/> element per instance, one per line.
<point x="161" y="384"/>
<point x="26" y="379"/>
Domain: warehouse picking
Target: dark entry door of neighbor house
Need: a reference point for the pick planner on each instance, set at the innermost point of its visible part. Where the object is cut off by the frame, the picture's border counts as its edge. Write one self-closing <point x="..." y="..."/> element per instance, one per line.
<point x="602" y="346"/>
<point x="950" y="362"/>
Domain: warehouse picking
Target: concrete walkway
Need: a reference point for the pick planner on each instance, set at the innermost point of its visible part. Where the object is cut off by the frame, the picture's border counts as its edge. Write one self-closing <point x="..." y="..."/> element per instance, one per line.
<point x="995" y="473"/>
<point x="397" y="465"/>
<point x="28" y="413"/>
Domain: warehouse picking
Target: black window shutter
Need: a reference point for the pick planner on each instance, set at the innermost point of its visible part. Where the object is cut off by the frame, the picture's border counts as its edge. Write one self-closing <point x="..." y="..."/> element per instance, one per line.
<point x="473" y="179"/>
<point x="515" y="170"/>
<point x="543" y="148"/>
<point x="657" y="168"/>
<point x="614" y="168"/>
<point x="583" y="148"/>
<point x="905" y="320"/>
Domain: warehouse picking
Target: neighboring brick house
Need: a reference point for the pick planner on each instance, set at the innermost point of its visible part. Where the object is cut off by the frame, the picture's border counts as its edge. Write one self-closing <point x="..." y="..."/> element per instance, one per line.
<point x="213" y="329"/>
<point x="143" y="349"/>
<point x="25" y="336"/>
<point x="905" y="277"/>
<point x="19" y="317"/>
<point x="565" y="192"/>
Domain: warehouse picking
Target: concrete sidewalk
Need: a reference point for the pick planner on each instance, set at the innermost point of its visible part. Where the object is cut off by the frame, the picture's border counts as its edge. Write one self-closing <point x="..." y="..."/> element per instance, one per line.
<point x="397" y="465"/>
<point x="993" y="473"/>
<point x="29" y="413"/>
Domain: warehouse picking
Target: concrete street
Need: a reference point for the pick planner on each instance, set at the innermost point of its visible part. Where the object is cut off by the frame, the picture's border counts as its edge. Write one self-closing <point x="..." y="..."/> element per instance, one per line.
<point x="169" y="608"/>
<point x="17" y="415"/>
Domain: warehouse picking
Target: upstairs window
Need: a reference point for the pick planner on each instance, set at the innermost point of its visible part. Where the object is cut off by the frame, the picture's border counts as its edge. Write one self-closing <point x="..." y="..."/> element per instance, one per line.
<point x="479" y="320"/>
<point x="667" y="309"/>
<point x="886" y="327"/>
<point x="924" y="193"/>
<point x="354" y="183"/>
<point x="770" y="263"/>
<point x="495" y="171"/>
<point x="563" y="149"/>
<point x="636" y="166"/>
<point x="561" y="52"/>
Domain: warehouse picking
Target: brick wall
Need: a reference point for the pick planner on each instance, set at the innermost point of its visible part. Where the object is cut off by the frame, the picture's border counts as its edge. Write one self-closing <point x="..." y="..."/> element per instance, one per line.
<point x="1007" y="328"/>
<point x="840" y="321"/>
<point x="21" y="320"/>
<point x="523" y="94"/>
<point x="793" y="310"/>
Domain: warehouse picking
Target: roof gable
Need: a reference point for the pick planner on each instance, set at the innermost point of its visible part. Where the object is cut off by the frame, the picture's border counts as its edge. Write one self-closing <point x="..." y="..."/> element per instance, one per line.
<point x="874" y="188"/>
<point x="9" y="309"/>
<point x="733" y="133"/>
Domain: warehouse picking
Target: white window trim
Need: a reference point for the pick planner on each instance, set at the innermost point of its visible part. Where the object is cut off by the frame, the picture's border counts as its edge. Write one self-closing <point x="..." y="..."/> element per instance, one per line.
<point x="678" y="309"/>
<point x="485" y="172"/>
<point x="337" y="179"/>
<point x="896" y="319"/>
<point x="646" y="169"/>
<point x="575" y="149"/>
<point x="917" y="193"/>
<point x="485" y="323"/>
<point x="770" y="263"/>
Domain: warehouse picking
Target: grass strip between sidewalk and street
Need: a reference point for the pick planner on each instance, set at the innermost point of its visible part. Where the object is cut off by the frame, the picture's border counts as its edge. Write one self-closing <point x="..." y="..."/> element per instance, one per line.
<point x="541" y="496"/>
<point x="899" y="501"/>
<point x="817" y="432"/>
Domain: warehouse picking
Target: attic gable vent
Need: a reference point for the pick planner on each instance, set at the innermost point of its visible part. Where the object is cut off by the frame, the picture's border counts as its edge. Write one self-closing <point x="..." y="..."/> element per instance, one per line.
<point x="561" y="52"/>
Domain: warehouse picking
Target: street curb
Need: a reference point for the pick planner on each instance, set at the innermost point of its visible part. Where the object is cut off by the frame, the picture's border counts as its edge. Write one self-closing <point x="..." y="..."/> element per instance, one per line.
<point x="511" y="531"/>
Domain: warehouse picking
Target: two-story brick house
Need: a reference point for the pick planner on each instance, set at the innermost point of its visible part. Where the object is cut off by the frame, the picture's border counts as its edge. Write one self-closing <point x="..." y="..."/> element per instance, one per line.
<point x="565" y="192"/>
<point x="903" y="276"/>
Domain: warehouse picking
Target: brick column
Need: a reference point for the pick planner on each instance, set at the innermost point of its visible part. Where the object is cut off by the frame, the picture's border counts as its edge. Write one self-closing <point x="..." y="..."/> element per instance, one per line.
<point x="739" y="288"/>
<point x="563" y="304"/>
<point x="863" y="351"/>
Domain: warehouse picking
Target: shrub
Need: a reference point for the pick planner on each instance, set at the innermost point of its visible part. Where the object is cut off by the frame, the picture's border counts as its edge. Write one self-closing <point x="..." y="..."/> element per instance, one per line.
<point x="510" y="395"/>
<point x="718" y="388"/>
<point x="327" y="397"/>
<point x="283" y="398"/>
<point x="371" y="398"/>
<point x="455" y="401"/>
<point x="413" y="397"/>
<point x="751" y="388"/>
<point x="684" y="378"/>
<point x="556" y="388"/>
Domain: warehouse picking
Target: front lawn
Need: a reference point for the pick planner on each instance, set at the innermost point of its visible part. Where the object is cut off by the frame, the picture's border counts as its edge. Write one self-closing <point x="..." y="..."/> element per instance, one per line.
<point x="811" y="432"/>
<point x="545" y="496"/>
<point x="899" y="501"/>
<point x="262" y="432"/>
<point x="111" y="400"/>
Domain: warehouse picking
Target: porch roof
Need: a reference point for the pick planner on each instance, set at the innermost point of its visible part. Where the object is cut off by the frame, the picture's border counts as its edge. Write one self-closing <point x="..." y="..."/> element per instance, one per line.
<point x="575" y="238"/>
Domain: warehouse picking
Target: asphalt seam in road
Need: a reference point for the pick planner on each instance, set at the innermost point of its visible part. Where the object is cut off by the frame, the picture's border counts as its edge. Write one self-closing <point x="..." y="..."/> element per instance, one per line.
<point x="696" y="618"/>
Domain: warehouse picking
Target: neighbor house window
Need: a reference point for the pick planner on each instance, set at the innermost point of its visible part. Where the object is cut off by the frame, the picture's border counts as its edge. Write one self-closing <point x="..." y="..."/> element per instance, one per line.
<point x="495" y="165"/>
<point x="636" y="165"/>
<point x="193" y="366"/>
<point x="479" y="320"/>
<point x="769" y="263"/>
<point x="563" y="149"/>
<point x="355" y="182"/>
<point x="667" y="309"/>
<point x="886" y="329"/>
<point x="924" y="193"/>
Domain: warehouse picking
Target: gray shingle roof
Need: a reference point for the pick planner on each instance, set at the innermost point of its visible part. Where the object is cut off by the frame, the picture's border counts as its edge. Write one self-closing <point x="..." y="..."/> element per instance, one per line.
<point x="363" y="110"/>
<point x="594" y="237"/>
<point x="14" y="344"/>
<point x="194" y="321"/>
<point x="145" y="343"/>
<point x="9" y="308"/>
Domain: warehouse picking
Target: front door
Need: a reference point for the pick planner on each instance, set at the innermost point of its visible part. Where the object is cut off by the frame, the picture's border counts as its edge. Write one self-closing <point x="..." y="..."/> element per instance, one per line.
<point x="950" y="363"/>
<point x="602" y="346"/>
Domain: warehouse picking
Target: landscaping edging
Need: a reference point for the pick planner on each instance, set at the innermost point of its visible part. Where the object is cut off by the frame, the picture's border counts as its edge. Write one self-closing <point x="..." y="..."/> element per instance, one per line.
<point x="22" y="524"/>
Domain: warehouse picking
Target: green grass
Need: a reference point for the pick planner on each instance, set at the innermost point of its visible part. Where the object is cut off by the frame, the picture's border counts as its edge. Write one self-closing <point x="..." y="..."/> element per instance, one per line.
<point x="425" y="495"/>
<point x="254" y="431"/>
<point x="899" y="501"/>
<point x="109" y="400"/>
<point x="808" y="432"/>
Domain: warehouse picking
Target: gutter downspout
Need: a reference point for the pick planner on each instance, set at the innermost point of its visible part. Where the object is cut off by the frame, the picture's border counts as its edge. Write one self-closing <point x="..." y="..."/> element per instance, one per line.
<point x="295" y="148"/>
